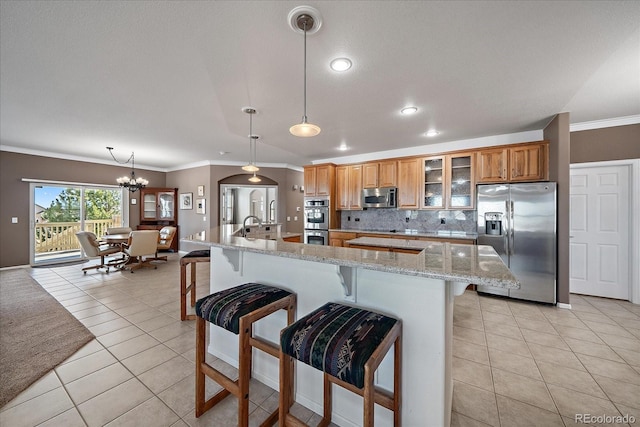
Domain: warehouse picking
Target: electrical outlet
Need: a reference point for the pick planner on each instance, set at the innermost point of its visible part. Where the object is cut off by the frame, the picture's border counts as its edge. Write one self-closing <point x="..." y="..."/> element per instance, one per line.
<point x="295" y="218"/>
<point x="443" y="221"/>
<point x="349" y="218"/>
<point x="204" y="218"/>
<point x="288" y="218"/>
<point x="14" y="220"/>
<point x="357" y="219"/>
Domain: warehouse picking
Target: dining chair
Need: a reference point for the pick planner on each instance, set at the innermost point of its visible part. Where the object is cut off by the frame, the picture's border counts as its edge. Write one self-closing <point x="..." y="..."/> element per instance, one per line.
<point x="93" y="248"/>
<point x="167" y="234"/>
<point x="141" y="243"/>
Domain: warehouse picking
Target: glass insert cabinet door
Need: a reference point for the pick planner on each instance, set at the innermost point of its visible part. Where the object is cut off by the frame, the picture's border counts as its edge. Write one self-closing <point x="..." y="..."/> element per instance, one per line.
<point x="434" y="177"/>
<point x="158" y="205"/>
<point x="449" y="182"/>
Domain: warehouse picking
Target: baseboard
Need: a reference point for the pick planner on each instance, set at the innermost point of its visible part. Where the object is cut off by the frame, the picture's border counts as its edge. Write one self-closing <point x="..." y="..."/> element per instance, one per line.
<point x="563" y="305"/>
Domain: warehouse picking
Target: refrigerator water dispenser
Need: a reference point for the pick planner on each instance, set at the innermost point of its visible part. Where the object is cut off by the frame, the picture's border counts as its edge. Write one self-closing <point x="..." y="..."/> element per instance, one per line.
<point x="493" y="223"/>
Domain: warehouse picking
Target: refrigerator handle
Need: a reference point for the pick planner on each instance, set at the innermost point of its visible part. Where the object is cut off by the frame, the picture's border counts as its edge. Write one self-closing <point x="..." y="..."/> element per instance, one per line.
<point x="507" y="230"/>
<point x="511" y="228"/>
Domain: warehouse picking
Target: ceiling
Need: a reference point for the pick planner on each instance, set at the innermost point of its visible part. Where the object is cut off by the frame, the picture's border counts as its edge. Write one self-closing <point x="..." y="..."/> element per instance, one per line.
<point x="168" y="80"/>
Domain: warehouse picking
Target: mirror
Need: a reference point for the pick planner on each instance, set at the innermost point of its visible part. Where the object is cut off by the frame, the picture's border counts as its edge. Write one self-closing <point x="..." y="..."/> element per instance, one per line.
<point x="239" y="201"/>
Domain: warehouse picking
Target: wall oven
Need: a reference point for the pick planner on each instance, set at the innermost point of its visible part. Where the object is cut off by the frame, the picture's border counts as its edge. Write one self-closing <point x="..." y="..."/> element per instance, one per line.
<point x="316" y="221"/>
<point x="316" y="237"/>
<point x="316" y="214"/>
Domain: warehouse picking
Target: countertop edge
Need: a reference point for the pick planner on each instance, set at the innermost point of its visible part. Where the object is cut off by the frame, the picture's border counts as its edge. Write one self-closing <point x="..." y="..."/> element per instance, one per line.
<point x="504" y="282"/>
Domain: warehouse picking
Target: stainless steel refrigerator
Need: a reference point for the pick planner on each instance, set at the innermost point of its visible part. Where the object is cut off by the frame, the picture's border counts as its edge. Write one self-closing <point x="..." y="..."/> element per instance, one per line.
<point x="519" y="221"/>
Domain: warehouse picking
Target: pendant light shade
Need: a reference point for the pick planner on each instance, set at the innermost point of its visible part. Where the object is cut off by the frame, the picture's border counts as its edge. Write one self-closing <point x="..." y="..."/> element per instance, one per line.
<point x="305" y="22"/>
<point x="251" y="167"/>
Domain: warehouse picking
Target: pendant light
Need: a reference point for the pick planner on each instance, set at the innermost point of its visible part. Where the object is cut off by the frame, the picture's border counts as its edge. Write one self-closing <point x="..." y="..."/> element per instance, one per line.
<point x="305" y="22"/>
<point x="251" y="167"/>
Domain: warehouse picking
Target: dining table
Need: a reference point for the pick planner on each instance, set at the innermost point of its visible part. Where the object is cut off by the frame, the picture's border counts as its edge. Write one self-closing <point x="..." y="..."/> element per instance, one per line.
<point x="118" y="240"/>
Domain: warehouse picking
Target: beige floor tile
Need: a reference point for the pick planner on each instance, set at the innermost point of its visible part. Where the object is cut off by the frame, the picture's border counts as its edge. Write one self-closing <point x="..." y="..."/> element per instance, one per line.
<point x="508" y="345"/>
<point x="473" y="373"/>
<point x="80" y="367"/>
<point x="610" y="369"/>
<point x="182" y="343"/>
<point x="167" y="374"/>
<point x="555" y="355"/>
<point x="490" y="305"/>
<point x="470" y="335"/>
<point x="224" y="414"/>
<point x="609" y="329"/>
<point x="138" y="307"/>
<point x="97" y="382"/>
<point x="570" y="378"/>
<point x="514" y="363"/>
<point x="620" y="392"/>
<point x="548" y="340"/>
<point x="578" y="334"/>
<point x="517" y="414"/>
<point x="506" y="319"/>
<point x="535" y="325"/>
<point x="89" y="312"/>
<point x="620" y="342"/>
<point x="121" y="335"/>
<point x="475" y="403"/>
<point x="37" y="410"/>
<point x="590" y="349"/>
<point x="469" y="351"/>
<point x="156" y="323"/>
<point x="459" y="420"/>
<point x="144" y="315"/>
<point x="571" y="402"/>
<point x="91" y="347"/>
<point x="595" y="317"/>
<point x="69" y="418"/>
<point x="114" y="402"/>
<point x="629" y="411"/>
<point x="47" y="383"/>
<point x="152" y="412"/>
<point x="99" y="318"/>
<point x="627" y="322"/>
<point x="523" y="389"/>
<point x="506" y="330"/>
<point x="173" y="330"/>
<point x="180" y="397"/>
<point x="630" y="356"/>
<point x="108" y="327"/>
<point x="147" y="359"/>
<point x="133" y="346"/>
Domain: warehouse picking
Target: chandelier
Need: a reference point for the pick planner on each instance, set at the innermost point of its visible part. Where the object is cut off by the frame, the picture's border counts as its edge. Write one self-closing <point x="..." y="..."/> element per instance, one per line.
<point x="131" y="183"/>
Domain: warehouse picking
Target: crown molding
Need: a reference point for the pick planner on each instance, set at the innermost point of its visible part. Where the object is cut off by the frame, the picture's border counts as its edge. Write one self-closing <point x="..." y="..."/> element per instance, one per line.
<point x="606" y="123"/>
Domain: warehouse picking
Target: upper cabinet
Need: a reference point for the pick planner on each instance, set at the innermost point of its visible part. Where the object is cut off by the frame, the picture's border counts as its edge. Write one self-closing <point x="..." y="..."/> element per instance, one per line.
<point x="409" y="183"/>
<point x="380" y="174"/>
<point x="349" y="187"/>
<point x="158" y="206"/>
<point x="319" y="180"/>
<point x="449" y="182"/>
<point x="522" y="162"/>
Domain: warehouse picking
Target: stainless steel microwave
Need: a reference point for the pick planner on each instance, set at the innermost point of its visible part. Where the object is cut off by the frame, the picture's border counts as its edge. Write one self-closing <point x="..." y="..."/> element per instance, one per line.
<point x="384" y="197"/>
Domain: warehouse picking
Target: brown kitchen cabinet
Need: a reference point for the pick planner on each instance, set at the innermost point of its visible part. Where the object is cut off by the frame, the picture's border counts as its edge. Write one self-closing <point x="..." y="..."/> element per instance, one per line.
<point x="379" y="174"/>
<point x="409" y="183"/>
<point x="349" y="187"/>
<point x="337" y="238"/>
<point x="319" y="180"/>
<point x="449" y="182"/>
<point x="293" y="239"/>
<point x="517" y="163"/>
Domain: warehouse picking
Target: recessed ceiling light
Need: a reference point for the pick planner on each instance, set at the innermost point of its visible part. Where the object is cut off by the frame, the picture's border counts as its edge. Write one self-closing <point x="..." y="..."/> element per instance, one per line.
<point x="343" y="147"/>
<point x="432" y="132"/>
<point x="409" y="110"/>
<point x="222" y="153"/>
<point x="341" y="64"/>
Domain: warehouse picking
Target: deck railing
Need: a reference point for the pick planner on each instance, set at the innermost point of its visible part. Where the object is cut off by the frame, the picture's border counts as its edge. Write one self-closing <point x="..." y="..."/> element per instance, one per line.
<point x="61" y="236"/>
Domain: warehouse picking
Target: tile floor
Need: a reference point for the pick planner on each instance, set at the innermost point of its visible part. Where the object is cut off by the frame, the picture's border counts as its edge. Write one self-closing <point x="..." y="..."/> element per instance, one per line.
<point x="515" y="363"/>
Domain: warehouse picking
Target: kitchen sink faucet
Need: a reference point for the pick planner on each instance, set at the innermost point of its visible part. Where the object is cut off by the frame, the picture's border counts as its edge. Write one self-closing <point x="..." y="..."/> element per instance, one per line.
<point x="244" y="224"/>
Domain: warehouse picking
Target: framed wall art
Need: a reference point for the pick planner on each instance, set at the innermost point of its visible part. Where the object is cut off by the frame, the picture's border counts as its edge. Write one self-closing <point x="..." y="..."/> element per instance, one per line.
<point x="200" y="206"/>
<point x="186" y="201"/>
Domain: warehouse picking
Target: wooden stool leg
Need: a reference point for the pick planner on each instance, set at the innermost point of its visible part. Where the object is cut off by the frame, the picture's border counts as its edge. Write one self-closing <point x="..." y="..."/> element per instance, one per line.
<point x="201" y="330"/>
<point x="368" y="396"/>
<point x="183" y="291"/>
<point x="244" y="371"/>
<point x="193" y="284"/>
<point x="286" y="392"/>
<point x="328" y="402"/>
<point x="397" y="382"/>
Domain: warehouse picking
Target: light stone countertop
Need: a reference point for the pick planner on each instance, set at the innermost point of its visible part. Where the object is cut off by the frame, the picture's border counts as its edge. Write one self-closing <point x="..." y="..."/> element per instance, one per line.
<point x="384" y="242"/>
<point x="464" y="263"/>
<point x="431" y="234"/>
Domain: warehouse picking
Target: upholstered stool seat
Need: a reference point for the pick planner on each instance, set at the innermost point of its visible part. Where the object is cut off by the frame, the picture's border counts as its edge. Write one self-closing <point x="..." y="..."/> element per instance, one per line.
<point x="348" y="344"/>
<point x="236" y="309"/>
<point x="190" y="259"/>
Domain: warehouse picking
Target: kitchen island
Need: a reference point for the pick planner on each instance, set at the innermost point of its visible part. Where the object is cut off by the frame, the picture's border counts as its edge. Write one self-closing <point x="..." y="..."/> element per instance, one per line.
<point x="418" y="289"/>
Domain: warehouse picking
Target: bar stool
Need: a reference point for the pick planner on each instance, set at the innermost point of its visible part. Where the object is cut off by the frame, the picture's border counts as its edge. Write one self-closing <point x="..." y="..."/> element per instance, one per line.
<point x="347" y="344"/>
<point x="190" y="259"/>
<point x="236" y="309"/>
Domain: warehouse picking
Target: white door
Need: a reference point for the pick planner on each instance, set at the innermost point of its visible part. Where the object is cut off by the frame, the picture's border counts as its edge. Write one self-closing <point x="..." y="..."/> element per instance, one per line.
<point x="599" y="237"/>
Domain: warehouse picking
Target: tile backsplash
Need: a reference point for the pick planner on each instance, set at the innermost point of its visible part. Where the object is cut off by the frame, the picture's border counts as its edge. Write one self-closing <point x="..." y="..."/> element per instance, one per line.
<point x="420" y="220"/>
